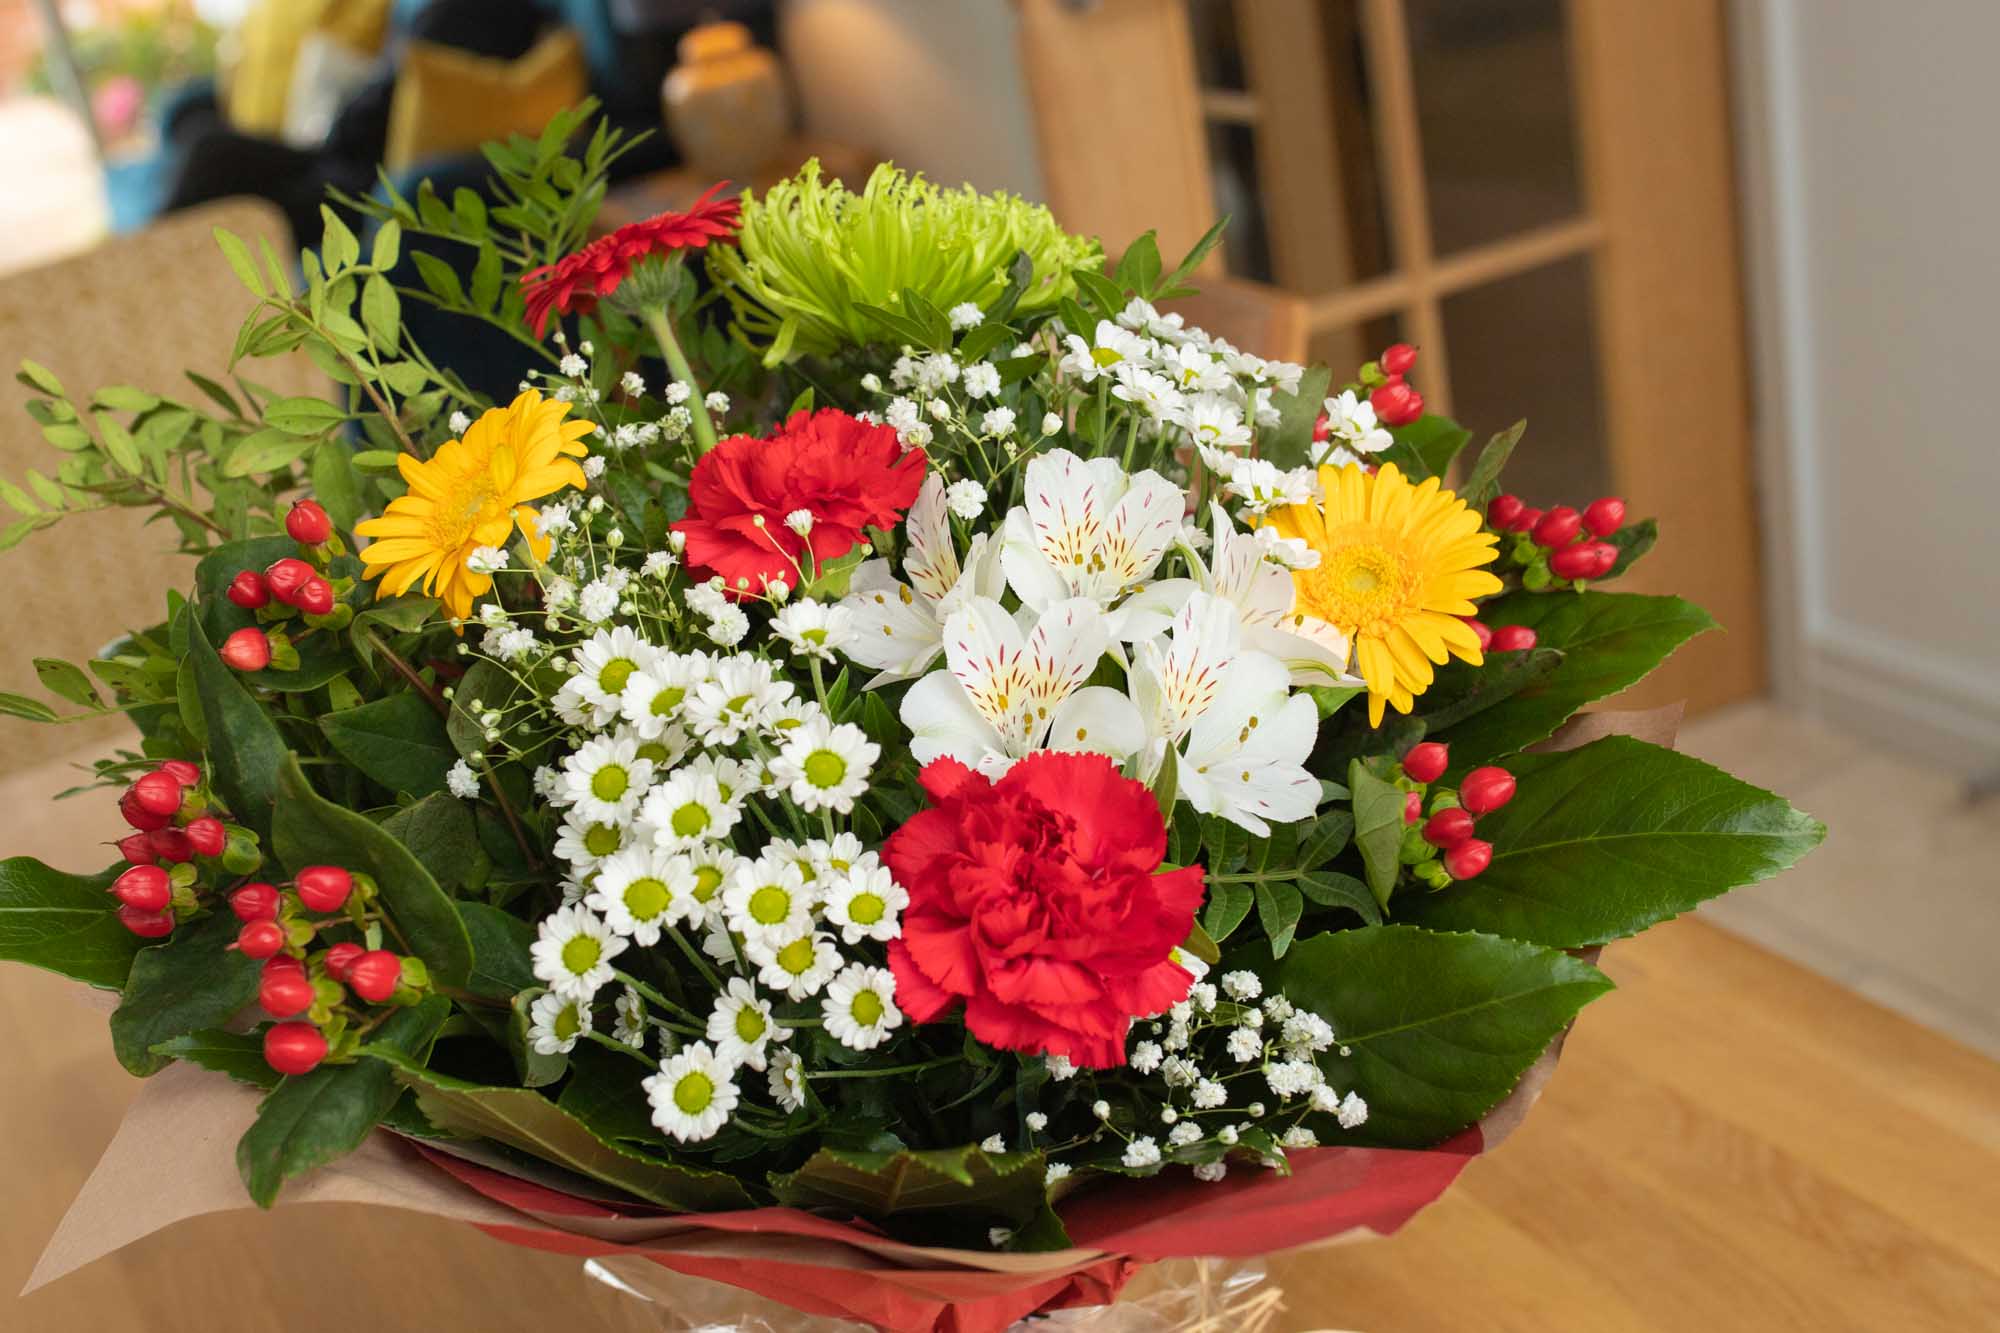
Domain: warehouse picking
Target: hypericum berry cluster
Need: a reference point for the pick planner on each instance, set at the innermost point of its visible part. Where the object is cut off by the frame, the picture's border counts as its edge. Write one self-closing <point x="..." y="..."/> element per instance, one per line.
<point x="288" y="587"/>
<point x="1561" y="545"/>
<point x="1441" y="848"/>
<point x="308" y="989"/>
<point x="175" y="831"/>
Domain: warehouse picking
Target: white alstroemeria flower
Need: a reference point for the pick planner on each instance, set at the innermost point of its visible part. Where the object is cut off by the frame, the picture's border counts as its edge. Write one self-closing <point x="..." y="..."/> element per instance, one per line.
<point x="1004" y="693"/>
<point x="1109" y="348"/>
<point x="1174" y="679"/>
<point x="1088" y="530"/>
<point x="898" y="627"/>
<point x="1350" y="422"/>
<point x="1245" y="756"/>
<point x="1244" y="570"/>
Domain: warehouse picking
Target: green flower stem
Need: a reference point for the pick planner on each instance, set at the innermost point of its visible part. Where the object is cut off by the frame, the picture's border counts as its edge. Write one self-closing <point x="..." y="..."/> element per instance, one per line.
<point x="663" y="333"/>
<point x="884" y="1073"/>
<point x="614" y="1044"/>
<point x="652" y="996"/>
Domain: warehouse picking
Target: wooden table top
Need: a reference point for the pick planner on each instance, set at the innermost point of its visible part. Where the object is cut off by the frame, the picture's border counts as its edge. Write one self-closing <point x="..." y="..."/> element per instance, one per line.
<point x="1731" y="1142"/>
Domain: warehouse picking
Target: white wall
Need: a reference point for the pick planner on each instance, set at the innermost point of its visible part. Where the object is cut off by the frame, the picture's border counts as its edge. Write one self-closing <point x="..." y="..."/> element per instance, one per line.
<point x="932" y="85"/>
<point x="1871" y="138"/>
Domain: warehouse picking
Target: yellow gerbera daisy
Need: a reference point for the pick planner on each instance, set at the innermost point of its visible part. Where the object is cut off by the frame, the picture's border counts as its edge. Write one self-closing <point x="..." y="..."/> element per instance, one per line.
<point x="1398" y="565"/>
<point x="471" y="493"/>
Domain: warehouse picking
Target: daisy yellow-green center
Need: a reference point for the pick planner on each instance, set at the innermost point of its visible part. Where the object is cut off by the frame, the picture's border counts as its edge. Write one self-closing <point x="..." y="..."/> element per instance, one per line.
<point x="688" y="821"/>
<point x="749" y="1024"/>
<point x="615" y="673"/>
<point x="867" y="1008"/>
<point x="824" y="768"/>
<point x="865" y="909"/>
<point x="1399" y="565"/>
<point x="581" y="954"/>
<point x="693" y="1092"/>
<point x="646" y="898"/>
<point x="567" y="1023"/>
<point x="610" y="782"/>
<point x="797" y="957"/>
<point x="602" y="839"/>
<point x="707" y="879"/>
<point x="770" y="905"/>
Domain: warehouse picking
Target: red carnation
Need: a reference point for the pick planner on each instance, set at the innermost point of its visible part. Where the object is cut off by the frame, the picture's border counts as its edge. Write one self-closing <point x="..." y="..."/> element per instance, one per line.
<point x="847" y="474"/>
<point x="1034" y="900"/>
<point x="575" y="283"/>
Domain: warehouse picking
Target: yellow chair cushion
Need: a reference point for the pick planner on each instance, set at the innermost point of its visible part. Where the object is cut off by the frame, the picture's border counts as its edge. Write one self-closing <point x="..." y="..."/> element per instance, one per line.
<point x="450" y="101"/>
<point x="358" y="25"/>
<point x="257" y="71"/>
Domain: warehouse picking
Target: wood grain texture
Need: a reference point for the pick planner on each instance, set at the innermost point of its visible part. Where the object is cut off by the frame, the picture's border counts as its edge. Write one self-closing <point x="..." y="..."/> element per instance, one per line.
<point x="1730" y="1143"/>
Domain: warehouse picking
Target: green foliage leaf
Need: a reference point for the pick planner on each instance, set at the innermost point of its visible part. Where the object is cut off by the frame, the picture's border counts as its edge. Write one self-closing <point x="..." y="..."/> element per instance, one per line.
<point x="1426" y="446"/>
<point x="1602" y="842"/>
<point x="501" y="967"/>
<point x="1633" y="541"/>
<point x="1279" y="905"/>
<point x="1290" y="444"/>
<point x="1441" y="1026"/>
<point x="1608" y="640"/>
<point x="67" y="681"/>
<point x="336" y="484"/>
<point x="243" y="746"/>
<point x="398" y="742"/>
<point x="1461" y="689"/>
<point x="64" y="923"/>
<point x="439" y="833"/>
<point x="237" y="1054"/>
<point x="1331" y="888"/>
<point x="381" y="312"/>
<point x="30" y="710"/>
<point x="525" y="1119"/>
<point x="304" y="416"/>
<point x="1484" y="483"/>
<point x="240" y="263"/>
<point x="310" y="830"/>
<point x="1378" y="828"/>
<point x="189" y="981"/>
<point x="949" y="1183"/>
<point x="389" y="242"/>
<point x="311" y="1119"/>
<point x="1228" y="904"/>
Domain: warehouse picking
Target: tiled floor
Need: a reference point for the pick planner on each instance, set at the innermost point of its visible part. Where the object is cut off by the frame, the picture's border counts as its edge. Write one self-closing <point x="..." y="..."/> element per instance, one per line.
<point x="1902" y="901"/>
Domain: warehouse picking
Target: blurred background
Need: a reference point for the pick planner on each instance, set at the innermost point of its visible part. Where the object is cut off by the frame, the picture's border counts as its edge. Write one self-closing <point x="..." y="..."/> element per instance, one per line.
<point x="1727" y="257"/>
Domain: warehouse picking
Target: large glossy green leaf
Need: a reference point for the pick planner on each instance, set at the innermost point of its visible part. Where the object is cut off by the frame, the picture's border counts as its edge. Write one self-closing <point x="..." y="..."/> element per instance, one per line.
<point x="1378" y="828"/>
<point x="398" y="741"/>
<point x="64" y="923"/>
<point x="1608" y="640"/>
<point x="1602" y="842"/>
<point x="969" y="1180"/>
<point x="310" y="830"/>
<point x="243" y="745"/>
<point x="1440" y="1027"/>
<point x="321" y="656"/>
<point x="237" y="1054"/>
<point x="1426" y="446"/>
<point x="189" y="981"/>
<point x="439" y="832"/>
<point x="501" y="967"/>
<point x="311" y="1119"/>
<point x="524" y="1119"/>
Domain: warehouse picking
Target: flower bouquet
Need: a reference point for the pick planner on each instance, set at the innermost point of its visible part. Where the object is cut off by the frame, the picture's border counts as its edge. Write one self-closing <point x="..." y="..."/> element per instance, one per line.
<point x="891" y="772"/>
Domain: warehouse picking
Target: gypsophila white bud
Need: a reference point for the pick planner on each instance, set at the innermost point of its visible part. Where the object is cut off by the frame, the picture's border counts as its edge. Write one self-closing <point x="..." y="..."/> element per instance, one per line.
<point x="633" y="383"/>
<point x="1255" y="1110"/>
<point x="717" y="401"/>
<point x="1056" y="1171"/>
<point x="1227" y="1134"/>
<point x="1101" y="1109"/>
<point x="1208" y="1094"/>
<point x="982" y="380"/>
<point x="1051" y="423"/>
<point x="966" y="498"/>
<point x="1242" y="985"/>
<point x="993" y="1143"/>
<point x="939" y="409"/>
<point x="999" y="421"/>
<point x="1037" y="1121"/>
<point x="872" y="382"/>
<point x="1245" y="1044"/>
<point x="966" y="315"/>
<point x="1183" y="1135"/>
<point x="1353" y="1111"/>
<point x="1060" y="1067"/>
<point x="459" y="423"/>
<point x="800" y="521"/>
<point x="486" y="560"/>
<point x="573" y="366"/>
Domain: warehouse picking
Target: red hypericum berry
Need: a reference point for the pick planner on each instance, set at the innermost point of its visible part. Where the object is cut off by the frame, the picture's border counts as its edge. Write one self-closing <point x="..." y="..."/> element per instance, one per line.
<point x="171" y="844"/>
<point x="1558" y="527"/>
<point x="308" y="524"/>
<point x="1426" y="762"/>
<point x="1486" y="790"/>
<point x="284" y="962"/>
<point x="1513" y="639"/>
<point x="323" y="888"/>
<point x="293" y="1048"/>
<point x="339" y="959"/>
<point x="287" y="576"/>
<point x="1413" y="807"/>
<point x="314" y="597"/>
<point x="1526" y="519"/>
<point x="1396" y="404"/>
<point x="158" y="792"/>
<point x="143" y="887"/>
<point x="1500" y="515"/>
<point x="137" y="848"/>
<point x="247" y="650"/>
<point x="374" y="975"/>
<point x="181" y="771"/>
<point x="285" y="992"/>
<point x="1604" y="516"/>
<point x="260" y="939"/>
<point x="146" y="925"/>
<point x="1322" y="428"/>
<point x="248" y="590"/>
<point x="1478" y="627"/>
<point x="255" y="902"/>
<point x="206" y="836"/>
<point x="1469" y="858"/>
<point x="1577" y="562"/>
<point x="1448" y="828"/>
<point x="1397" y="358"/>
<point x="138" y="816"/>
<point x="1606" y="556"/>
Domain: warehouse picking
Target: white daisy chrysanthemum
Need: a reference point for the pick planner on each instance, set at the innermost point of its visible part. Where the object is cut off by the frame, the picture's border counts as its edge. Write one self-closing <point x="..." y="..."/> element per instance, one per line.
<point x="692" y="1095"/>
<point x="665" y="750"/>
<point x="687" y="810"/>
<point x="605" y="780"/>
<point x="654" y="695"/>
<point x="630" y="1026"/>
<point x="825" y="766"/>
<point x="786" y="1080"/>
<point x="573" y="951"/>
<point x="1351" y="421"/>
<point x="799" y="966"/>
<point x="865" y="903"/>
<point x="635" y="894"/>
<point x="859" y="1007"/>
<point x="585" y="842"/>
<point x="836" y="856"/>
<point x="768" y="899"/>
<point x="605" y="663"/>
<point x="814" y="629"/>
<point x="734" y="699"/>
<point x="742" y="1026"/>
<point x="1216" y="422"/>
<point x="735" y="779"/>
<point x="784" y="721"/>
<point x="704" y="869"/>
<point x="1262" y="485"/>
<point x="556" y="1023"/>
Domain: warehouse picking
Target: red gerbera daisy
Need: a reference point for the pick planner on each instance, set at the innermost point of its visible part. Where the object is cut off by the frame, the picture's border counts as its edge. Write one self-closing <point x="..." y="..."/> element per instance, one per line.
<point x="575" y="283"/>
<point x="845" y="473"/>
